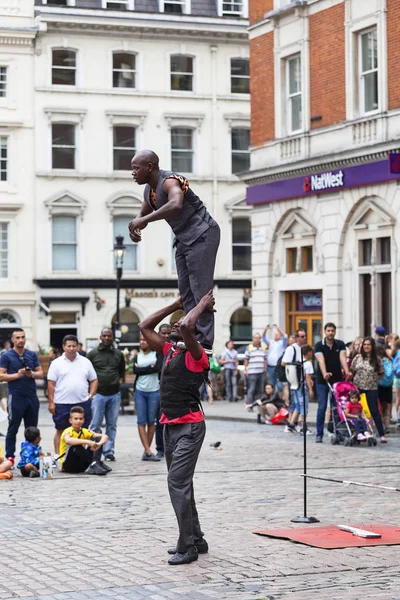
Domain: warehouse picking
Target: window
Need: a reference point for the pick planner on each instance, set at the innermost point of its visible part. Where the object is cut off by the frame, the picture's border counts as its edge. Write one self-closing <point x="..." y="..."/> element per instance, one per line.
<point x="123" y="147"/>
<point x="63" y="146"/>
<point x="182" y="149"/>
<point x="241" y="325"/>
<point x="3" y="250"/>
<point x="307" y="259"/>
<point x="365" y="257"/>
<point x="64" y="243"/>
<point x="124" y="70"/>
<point x="232" y="8"/>
<point x="291" y="260"/>
<point x="3" y="82"/>
<point x="240" y="150"/>
<point x="241" y="245"/>
<point x="118" y="5"/>
<point x="368" y="61"/>
<point x="294" y="95"/>
<point x="384" y="253"/>
<point x="63" y="70"/>
<point x="240" y="76"/>
<point x="130" y="255"/>
<point x="174" y="6"/>
<point x="3" y="158"/>
<point x="181" y="73"/>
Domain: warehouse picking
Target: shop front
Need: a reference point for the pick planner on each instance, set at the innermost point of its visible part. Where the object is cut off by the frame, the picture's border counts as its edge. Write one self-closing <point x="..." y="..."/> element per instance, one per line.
<point x="304" y="311"/>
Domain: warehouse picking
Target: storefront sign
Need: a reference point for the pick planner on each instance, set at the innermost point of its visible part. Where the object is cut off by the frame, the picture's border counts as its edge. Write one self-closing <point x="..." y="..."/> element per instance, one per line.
<point x="309" y="301"/>
<point x="325" y="182"/>
<point x="151" y="294"/>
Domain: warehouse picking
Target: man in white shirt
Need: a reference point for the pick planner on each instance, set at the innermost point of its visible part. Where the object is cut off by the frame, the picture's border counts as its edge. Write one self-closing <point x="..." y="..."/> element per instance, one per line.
<point x="72" y="381"/>
<point x="276" y="347"/>
<point x="293" y="354"/>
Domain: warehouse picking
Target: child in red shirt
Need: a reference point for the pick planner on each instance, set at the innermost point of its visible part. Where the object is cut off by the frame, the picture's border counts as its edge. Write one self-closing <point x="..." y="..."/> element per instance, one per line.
<point x="354" y="412"/>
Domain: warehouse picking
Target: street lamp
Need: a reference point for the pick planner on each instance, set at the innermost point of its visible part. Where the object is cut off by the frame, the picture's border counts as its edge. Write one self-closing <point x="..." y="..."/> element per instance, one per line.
<point x="119" y="250"/>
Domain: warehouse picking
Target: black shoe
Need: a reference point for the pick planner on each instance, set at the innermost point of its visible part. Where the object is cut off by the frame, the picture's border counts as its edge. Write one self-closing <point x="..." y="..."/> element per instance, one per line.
<point x="106" y="468"/>
<point x="33" y="474"/>
<point x="96" y="469"/>
<point x="150" y="457"/>
<point x="184" y="558"/>
<point x="160" y="454"/>
<point x="110" y="457"/>
<point x="259" y="419"/>
<point x="201" y="545"/>
<point x="318" y="440"/>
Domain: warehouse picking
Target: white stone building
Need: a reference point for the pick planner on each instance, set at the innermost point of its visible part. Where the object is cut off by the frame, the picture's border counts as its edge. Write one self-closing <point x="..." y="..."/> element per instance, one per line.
<point x="325" y="170"/>
<point x="109" y="78"/>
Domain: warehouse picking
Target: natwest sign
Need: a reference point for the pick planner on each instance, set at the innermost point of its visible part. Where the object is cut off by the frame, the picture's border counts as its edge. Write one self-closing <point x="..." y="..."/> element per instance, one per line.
<point x="324" y="181"/>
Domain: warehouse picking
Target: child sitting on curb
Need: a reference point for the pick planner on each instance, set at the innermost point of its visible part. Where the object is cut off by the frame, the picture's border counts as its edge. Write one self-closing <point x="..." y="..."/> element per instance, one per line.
<point x="5" y="466"/>
<point x="30" y="453"/>
<point x="80" y="449"/>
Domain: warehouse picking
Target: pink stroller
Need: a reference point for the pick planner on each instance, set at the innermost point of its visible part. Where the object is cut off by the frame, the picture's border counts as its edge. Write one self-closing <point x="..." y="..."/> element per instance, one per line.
<point x="342" y="429"/>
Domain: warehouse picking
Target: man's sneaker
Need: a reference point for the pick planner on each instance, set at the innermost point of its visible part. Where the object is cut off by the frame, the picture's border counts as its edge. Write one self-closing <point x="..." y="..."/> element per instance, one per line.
<point x="12" y="460"/>
<point x="150" y="457"/>
<point x="201" y="545"/>
<point x="160" y="454"/>
<point x="290" y="428"/>
<point x="318" y="440"/>
<point x="106" y="468"/>
<point x="95" y="469"/>
<point x="110" y="458"/>
<point x="308" y="431"/>
<point x="34" y="474"/>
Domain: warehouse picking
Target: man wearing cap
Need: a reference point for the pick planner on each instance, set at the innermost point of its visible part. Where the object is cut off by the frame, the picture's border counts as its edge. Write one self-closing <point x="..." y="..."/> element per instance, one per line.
<point x="380" y="333"/>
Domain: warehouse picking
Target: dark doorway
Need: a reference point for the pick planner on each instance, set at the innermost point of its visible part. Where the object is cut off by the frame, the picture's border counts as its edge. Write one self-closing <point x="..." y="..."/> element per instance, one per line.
<point x="57" y="335"/>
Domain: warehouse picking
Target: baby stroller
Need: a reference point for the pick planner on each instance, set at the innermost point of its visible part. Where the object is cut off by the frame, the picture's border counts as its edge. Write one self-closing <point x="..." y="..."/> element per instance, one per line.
<point x="342" y="430"/>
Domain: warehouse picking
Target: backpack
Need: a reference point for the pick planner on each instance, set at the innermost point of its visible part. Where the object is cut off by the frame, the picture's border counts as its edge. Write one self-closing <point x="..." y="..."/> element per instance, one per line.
<point x="388" y="373"/>
<point x="215" y="367"/>
<point x="280" y="370"/>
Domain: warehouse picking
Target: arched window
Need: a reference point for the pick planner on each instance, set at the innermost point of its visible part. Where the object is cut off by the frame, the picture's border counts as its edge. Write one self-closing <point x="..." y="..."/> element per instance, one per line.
<point x="6" y="318"/>
<point x="241" y="325"/>
<point x="63" y="67"/>
<point x="129" y="322"/>
<point x="8" y="321"/>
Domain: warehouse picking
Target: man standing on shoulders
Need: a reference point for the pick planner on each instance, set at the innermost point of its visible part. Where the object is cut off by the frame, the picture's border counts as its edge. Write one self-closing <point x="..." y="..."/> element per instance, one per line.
<point x="168" y="196"/>
<point x="331" y="357"/>
<point x="186" y="367"/>
<point x="276" y="347"/>
<point x="109" y="364"/>
<point x="69" y="378"/>
<point x="19" y="368"/>
<point x="255" y="367"/>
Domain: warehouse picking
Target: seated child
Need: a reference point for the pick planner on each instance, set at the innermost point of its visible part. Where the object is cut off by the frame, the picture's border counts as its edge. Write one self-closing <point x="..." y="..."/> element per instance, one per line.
<point x="5" y="466"/>
<point x="30" y="453"/>
<point x="353" y="412"/>
<point x="80" y="449"/>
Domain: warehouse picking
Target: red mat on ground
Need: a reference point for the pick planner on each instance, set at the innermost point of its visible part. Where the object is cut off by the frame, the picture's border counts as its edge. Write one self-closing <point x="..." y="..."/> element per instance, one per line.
<point x="330" y="536"/>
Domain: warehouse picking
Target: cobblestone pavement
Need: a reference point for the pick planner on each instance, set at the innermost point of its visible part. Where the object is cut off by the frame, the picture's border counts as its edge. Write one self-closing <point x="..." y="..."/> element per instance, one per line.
<point x="81" y="537"/>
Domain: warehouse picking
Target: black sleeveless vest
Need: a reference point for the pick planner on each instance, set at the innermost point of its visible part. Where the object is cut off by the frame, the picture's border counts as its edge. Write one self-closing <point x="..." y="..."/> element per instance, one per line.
<point x="191" y="221"/>
<point x="179" y="388"/>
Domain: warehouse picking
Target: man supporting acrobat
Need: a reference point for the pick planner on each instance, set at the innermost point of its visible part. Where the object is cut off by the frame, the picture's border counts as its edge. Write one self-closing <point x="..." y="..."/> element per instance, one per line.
<point x="186" y="366"/>
<point x="167" y="195"/>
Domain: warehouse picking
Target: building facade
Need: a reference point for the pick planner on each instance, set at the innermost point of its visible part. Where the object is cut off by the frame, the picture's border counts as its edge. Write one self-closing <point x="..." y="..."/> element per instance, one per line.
<point x="111" y="78"/>
<point x="324" y="182"/>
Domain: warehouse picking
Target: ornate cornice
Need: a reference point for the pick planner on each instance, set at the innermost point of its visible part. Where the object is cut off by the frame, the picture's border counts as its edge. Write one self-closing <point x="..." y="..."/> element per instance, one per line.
<point x="14" y="40"/>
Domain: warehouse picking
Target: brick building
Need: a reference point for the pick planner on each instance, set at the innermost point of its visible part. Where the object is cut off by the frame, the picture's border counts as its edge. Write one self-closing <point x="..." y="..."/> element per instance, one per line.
<point x="324" y="181"/>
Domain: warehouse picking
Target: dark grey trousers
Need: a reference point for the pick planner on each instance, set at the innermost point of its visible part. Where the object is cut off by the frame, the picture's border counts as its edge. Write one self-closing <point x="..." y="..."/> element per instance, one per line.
<point x="195" y="267"/>
<point x="182" y="444"/>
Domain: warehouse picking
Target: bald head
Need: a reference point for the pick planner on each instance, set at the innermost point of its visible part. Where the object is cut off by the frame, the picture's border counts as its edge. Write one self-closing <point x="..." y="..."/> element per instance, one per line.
<point x="145" y="166"/>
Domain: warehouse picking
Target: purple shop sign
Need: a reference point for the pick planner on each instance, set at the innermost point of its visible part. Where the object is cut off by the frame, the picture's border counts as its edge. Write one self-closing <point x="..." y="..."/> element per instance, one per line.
<point x="326" y="182"/>
<point x="309" y="301"/>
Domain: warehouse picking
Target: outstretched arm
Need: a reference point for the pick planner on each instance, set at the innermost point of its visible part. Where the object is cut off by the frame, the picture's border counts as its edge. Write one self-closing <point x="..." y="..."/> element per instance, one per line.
<point x="154" y="339"/>
<point x="188" y="325"/>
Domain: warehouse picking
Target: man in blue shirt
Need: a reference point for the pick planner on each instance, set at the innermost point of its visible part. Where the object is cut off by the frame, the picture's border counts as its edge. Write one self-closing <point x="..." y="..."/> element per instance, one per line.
<point x="19" y="368"/>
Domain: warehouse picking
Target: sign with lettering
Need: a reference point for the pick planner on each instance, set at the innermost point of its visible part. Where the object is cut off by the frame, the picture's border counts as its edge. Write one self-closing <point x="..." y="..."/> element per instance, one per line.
<point x="326" y="181"/>
<point x="309" y="301"/>
<point x="151" y="293"/>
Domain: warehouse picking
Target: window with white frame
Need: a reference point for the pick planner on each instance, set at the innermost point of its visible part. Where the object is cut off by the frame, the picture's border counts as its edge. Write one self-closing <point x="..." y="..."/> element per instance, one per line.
<point x="240" y="150"/>
<point x="63" y="146"/>
<point x="241" y="244"/>
<point x="3" y="158"/>
<point x="294" y="100"/>
<point x="64" y="243"/>
<point x="130" y="255"/>
<point x="179" y="7"/>
<point x="124" y="147"/>
<point x="3" y="250"/>
<point x="63" y="67"/>
<point x="240" y="76"/>
<point x="118" y="4"/>
<point x="182" y="149"/>
<point x="232" y="8"/>
<point x="181" y="73"/>
<point x="3" y="82"/>
<point x="124" y="70"/>
<point x="368" y="71"/>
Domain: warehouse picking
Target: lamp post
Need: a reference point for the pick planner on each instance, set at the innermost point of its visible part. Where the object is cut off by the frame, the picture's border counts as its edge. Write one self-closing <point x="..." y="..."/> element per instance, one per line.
<point x="119" y="250"/>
